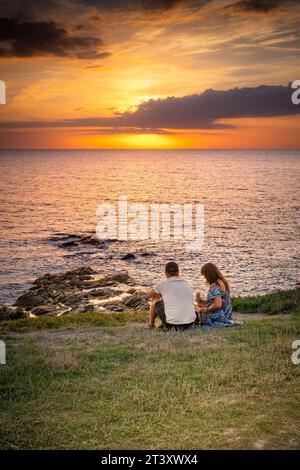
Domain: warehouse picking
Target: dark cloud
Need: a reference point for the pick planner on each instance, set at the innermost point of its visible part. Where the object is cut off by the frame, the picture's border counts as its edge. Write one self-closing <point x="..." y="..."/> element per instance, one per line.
<point x="32" y="9"/>
<point x="36" y="9"/>
<point x="43" y="27"/>
<point x="38" y="38"/>
<point x="162" y="5"/>
<point x="127" y="5"/>
<point x="45" y="9"/>
<point x="253" y="6"/>
<point x="199" y="111"/>
<point x="122" y="130"/>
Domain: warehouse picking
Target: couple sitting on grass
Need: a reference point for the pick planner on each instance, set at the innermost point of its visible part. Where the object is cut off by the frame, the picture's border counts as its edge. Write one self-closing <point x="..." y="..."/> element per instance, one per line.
<point x="172" y="301"/>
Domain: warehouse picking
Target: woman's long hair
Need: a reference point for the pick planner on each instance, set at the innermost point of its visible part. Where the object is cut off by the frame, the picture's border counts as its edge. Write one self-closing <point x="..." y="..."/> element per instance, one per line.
<point x="212" y="274"/>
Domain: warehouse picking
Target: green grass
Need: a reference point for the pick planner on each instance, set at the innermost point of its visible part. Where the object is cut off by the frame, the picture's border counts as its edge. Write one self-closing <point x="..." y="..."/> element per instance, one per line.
<point x="90" y="382"/>
<point x="72" y="321"/>
<point x="277" y="302"/>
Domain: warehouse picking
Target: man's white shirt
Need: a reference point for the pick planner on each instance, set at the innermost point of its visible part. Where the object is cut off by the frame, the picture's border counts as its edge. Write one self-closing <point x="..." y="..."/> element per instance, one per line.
<point x="178" y="299"/>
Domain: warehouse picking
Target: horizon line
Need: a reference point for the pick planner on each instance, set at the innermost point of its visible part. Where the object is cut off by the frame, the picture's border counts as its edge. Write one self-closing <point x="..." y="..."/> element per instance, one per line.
<point x="154" y="148"/>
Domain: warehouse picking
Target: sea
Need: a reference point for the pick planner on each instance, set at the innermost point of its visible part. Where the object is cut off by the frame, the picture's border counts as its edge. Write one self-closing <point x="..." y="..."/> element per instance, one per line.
<point x="250" y="200"/>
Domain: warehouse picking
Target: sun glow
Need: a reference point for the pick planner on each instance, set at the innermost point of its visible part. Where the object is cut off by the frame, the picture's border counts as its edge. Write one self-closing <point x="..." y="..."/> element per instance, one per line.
<point x="146" y="140"/>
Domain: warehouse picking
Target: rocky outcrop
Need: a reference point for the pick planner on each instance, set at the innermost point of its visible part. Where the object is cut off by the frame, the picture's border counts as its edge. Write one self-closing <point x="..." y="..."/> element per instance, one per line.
<point x="64" y="240"/>
<point x="75" y="240"/>
<point x="80" y="290"/>
<point x="78" y="241"/>
<point x="128" y="256"/>
<point x="12" y="313"/>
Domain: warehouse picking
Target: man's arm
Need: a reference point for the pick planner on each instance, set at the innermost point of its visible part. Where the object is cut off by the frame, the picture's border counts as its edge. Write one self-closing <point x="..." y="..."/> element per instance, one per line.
<point x="152" y="294"/>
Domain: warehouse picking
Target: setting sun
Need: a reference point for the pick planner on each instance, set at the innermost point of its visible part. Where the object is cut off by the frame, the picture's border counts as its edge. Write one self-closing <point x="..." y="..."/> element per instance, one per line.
<point x="146" y="141"/>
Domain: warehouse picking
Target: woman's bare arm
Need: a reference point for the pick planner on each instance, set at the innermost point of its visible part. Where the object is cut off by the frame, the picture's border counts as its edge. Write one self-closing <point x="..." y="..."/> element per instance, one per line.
<point x="217" y="303"/>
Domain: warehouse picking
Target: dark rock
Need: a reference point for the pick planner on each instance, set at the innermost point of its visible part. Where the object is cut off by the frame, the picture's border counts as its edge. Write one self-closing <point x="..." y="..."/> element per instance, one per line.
<point x="56" y="279"/>
<point x="77" y="240"/>
<point x="94" y="241"/>
<point x="43" y="309"/>
<point x="74" y="300"/>
<point x="85" y="308"/>
<point x="128" y="256"/>
<point x="103" y="293"/>
<point x="147" y="253"/>
<point x="137" y="301"/>
<point x="28" y="301"/>
<point x="68" y="244"/>
<point x="99" y="283"/>
<point x="121" y="278"/>
<point x="11" y="313"/>
<point x="114" y="307"/>
<point x="63" y="237"/>
<point x="110" y="280"/>
<point x="73" y="291"/>
<point x="131" y="291"/>
<point x="84" y="239"/>
<point x="20" y="313"/>
<point x="6" y="312"/>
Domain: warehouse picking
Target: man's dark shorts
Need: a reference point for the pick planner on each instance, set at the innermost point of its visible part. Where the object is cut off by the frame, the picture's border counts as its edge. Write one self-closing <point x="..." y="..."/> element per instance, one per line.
<point x="160" y="310"/>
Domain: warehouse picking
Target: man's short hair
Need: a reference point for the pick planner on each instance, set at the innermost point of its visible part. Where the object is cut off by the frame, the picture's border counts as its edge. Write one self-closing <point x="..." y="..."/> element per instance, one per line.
<point x="172" y="268"/>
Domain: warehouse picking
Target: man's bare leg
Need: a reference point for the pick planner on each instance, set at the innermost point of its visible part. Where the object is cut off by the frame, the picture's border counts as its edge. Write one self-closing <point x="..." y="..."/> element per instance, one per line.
<point x="152" y="313"/>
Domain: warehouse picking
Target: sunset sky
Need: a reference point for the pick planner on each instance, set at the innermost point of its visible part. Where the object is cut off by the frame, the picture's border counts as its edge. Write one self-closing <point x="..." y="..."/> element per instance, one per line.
<point x="149" y="73"/>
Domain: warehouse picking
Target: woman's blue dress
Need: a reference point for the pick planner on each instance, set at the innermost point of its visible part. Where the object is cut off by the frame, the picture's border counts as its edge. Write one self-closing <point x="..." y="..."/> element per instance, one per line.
<point x="223" y="314"/>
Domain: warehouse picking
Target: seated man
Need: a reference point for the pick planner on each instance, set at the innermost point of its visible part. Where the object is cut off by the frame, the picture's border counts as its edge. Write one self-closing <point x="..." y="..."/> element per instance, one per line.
<point x="176" y="309"/>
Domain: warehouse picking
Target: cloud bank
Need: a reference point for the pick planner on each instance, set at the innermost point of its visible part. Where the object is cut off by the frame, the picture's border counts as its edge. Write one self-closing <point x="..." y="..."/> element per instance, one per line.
<point x="206" y="110"/>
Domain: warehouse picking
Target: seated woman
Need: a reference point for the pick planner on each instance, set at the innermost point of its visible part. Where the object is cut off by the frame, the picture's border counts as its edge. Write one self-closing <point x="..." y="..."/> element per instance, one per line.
<point x="217" y="308"/>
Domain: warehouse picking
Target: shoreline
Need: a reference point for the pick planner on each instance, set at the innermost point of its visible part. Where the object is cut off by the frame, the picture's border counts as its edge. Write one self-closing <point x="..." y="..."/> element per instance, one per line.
<point x="86" y="291"/>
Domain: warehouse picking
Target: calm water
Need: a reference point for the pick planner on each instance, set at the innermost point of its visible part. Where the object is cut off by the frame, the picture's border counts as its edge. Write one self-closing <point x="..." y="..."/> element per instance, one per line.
<point x="251" y="213"/>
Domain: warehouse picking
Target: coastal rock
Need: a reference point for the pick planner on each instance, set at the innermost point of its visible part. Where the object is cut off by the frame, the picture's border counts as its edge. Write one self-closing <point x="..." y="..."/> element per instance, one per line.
<point x="29" y="301"/>
<point x="45" y="309"/>
<point x="147" y="253"/>
<point x="115" y="307"/>
<point x="63" y="236"/>
<point x="89" y="241"/>
<point x="131" y="291"/>
<point x="69" y="241"/>
<point x="68" y="244"/>
<point x="11" y="313"/>
<point x="79" y="290"/>
<point x="128" y="256"/>
<point x="84" y="308"/>
<point x="137" y="301"/>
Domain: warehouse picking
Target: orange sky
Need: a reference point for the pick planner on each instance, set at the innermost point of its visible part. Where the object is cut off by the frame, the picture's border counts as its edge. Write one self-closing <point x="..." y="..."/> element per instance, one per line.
<point x="147" y="54"/>
<point x="280" y="132"/>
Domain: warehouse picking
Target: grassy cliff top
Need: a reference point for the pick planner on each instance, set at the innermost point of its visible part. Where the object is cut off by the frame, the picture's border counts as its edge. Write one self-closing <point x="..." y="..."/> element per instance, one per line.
<point x="91" y="381"/>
